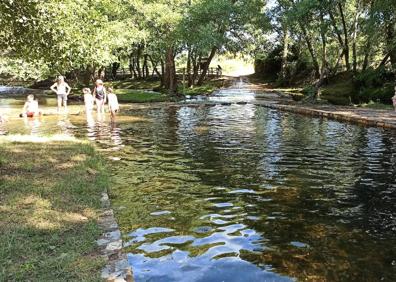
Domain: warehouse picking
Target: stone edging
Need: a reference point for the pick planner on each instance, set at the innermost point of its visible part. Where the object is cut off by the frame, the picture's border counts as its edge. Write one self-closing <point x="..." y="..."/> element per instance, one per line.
<point x="345" y="115"/>
<point x="341" y="116"/>
<point x="117" y="268"/>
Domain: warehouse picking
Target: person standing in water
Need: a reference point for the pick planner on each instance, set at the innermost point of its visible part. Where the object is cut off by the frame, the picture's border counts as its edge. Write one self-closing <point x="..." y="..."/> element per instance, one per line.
<point x="100" y="95"/>
<point x="114" y="107"/>
<point x="62" y="90"/>
<point x="88" y="100"/>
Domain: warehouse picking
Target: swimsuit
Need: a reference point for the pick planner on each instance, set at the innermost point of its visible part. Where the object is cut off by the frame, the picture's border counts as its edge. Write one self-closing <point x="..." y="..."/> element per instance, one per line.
<point x="100" y="93"/>
<point x="61" y="91"/>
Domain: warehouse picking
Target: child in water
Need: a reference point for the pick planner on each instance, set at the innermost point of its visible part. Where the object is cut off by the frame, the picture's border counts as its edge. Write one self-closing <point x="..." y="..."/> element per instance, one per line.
<point x="100" y="94"/>
<point x="88" y="100"/>
<point x="114" y="107"/>
<point x="30" y="108"/>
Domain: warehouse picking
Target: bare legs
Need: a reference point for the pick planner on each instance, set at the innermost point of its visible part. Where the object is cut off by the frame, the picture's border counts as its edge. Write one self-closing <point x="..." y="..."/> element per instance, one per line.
<point x="100" y="106"/>
<point x="62" y="102"/>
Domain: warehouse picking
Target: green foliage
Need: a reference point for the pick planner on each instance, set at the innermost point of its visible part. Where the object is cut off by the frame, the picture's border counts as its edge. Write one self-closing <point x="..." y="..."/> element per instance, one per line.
<point x="339" y="93"/>
<point x="308" y="91"/>
<point x="65" y="35"/>
<point x="375" y="85"/>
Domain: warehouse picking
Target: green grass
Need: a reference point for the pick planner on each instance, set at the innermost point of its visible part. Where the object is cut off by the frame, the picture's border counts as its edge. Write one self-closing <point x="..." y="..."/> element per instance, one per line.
<point x="136" y="96"/>
<point x="49" y="203"/>
<point x="135" y="84"/>
<point x="377" y="106"/>
<point x="338" y="93"/>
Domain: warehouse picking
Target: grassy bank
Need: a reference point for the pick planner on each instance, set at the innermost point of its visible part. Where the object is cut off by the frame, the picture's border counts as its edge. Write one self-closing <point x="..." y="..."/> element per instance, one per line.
<point x="136" y="91"/>
<point x="50" y="202"/>
<point x="140" y="96"/>
<point x="141" y="84"/>
<point x="364" y="90"/>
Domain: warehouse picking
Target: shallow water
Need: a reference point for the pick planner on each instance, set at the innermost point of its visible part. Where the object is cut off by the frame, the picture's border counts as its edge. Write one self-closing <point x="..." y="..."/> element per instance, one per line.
<point x="246" y="193"/>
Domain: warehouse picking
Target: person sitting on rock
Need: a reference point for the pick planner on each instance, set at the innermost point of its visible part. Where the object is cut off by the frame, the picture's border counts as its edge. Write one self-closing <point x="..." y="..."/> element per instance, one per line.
<point x="30" y="108"/>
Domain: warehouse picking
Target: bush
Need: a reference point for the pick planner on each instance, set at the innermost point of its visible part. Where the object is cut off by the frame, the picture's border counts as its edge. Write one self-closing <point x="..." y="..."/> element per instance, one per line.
<point x="308" y="91"/>
<point x="375" y="85"/>
<point x="381" y="94"/>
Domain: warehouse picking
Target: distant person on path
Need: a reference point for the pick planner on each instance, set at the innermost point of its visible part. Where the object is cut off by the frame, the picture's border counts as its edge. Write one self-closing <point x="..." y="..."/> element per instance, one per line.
<point x="88" y="100"/>
<point x="219" y="70"/>
<point x="62" y="90"/>
<point x="114" y="107"/>
<point x="30" y="108"/>
<point x="100" y="96"/>
<point x="394" y="99"/>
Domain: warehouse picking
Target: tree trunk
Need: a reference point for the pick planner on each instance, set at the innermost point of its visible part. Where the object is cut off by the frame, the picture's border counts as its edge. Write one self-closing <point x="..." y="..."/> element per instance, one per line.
<point x="206" y="67"/>
<point x="155" y="70"/>
<point x="194" y="61"/>
<point x="285" y="52"/>
<point x="390" y="41"/>
<point x="131" y="67"/>
<point x="145" y="67"/>
<point x="323" y="69"/>
<point x="346" y="43"/>
<point x="114" y="68"/>
<point x="354" y="37"/>
<point x="340" y="55"/>
<point x="138" y="55"/>
<point x="336" y="30"/>
<point x="170" y="72"/>
<point x="162" y="73"/>
<point x="324" y="50"/>
<point x="189" y="83"/>
<point x="367" y="48"/>
<point x="311" y="50"/>
<point x="367" y="54"/>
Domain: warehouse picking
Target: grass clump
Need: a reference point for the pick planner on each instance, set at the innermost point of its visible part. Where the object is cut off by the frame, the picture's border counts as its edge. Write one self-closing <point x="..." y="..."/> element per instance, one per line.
<point x="147" y="84"/>
<point x="138" y="96"/>
<point x="50" y="203"/>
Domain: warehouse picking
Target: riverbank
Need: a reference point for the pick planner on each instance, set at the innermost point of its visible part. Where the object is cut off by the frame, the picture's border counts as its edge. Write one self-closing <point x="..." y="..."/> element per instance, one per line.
<point x="50" y="205"/>
<point x="282" y="99"/>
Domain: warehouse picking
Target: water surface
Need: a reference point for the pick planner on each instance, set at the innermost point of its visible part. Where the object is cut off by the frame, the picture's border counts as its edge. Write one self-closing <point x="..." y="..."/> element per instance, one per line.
<point x="246" y="193"/>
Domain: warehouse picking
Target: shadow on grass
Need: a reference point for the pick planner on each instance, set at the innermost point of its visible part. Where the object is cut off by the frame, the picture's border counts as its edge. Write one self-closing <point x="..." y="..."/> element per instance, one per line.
<point x="50" y="202"/>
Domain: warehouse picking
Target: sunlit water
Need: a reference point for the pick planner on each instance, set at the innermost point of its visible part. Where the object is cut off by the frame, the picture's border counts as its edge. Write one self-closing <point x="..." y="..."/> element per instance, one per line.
<point x="245" y="193"/>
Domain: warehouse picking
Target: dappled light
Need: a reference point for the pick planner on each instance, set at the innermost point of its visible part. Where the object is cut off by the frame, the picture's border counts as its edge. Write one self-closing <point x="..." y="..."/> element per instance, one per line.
<point x="46" y="210"/>
<point x="38" y="213"/>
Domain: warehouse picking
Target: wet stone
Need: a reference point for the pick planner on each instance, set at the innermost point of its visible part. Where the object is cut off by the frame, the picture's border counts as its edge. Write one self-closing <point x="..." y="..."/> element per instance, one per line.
<point x="113" y="236"/>
<point x="113" y="246"/>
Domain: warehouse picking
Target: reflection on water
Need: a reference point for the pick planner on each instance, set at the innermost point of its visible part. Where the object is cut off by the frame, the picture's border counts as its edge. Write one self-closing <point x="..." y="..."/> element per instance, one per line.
<point x="244" y="193"/>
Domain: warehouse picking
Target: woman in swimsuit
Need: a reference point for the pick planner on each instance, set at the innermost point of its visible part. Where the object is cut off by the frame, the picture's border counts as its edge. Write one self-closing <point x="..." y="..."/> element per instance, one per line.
<point x="62" y="90"/>
<point x="100" y="95"/>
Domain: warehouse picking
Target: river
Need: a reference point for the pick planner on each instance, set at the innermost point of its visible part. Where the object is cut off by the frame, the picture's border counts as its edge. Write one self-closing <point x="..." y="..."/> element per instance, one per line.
<point x="242" y="192"/>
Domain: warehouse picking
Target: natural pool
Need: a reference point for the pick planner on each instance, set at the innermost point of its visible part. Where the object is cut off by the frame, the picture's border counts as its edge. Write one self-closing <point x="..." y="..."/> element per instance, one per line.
<point x="245" y="193"/>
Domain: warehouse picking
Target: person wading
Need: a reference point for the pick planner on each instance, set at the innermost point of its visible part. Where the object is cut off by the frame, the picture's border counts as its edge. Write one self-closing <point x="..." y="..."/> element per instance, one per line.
<point x="62" y="90"/>
<point x="100" y="95"/>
